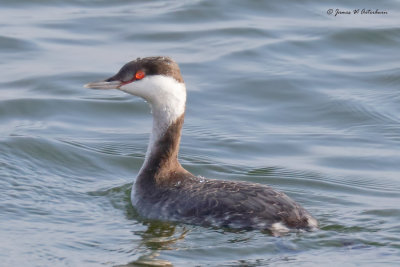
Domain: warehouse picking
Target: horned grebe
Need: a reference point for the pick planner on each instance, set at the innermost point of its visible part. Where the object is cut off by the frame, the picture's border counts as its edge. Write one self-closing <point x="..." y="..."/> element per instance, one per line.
<point x="165" y="190"/>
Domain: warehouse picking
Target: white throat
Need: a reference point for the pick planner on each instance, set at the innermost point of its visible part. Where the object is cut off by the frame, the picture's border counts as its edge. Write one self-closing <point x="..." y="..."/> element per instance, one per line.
<point x="167" y="99"/>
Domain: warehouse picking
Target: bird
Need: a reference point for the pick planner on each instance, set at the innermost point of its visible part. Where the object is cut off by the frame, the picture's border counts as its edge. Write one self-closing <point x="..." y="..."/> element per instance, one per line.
<point x="164" y="190"/>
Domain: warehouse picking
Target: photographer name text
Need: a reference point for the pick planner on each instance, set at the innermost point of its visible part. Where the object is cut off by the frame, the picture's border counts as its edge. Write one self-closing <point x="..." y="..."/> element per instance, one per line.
<point x="359" y="11"/>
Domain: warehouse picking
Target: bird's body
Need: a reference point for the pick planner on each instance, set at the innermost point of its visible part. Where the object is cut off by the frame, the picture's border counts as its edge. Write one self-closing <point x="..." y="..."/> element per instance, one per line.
<point x="165" y="190"/>
<point x="220" y="203"/>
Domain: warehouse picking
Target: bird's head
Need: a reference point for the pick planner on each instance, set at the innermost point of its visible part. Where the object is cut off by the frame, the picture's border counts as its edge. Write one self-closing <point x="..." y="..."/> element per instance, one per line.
<point x="158" y="80"/>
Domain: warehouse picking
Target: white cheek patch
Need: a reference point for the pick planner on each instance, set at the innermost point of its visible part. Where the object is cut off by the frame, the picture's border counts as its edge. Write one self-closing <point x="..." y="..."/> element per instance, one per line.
<point x="166" y="95"/>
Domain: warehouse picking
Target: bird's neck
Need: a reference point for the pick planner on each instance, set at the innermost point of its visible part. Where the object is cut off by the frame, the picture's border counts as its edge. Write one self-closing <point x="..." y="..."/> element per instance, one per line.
<point x="161" y="164"/>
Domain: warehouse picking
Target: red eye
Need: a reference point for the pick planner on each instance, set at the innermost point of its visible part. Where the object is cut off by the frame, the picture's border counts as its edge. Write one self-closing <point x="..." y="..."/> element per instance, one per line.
<point x="139" y="75"/>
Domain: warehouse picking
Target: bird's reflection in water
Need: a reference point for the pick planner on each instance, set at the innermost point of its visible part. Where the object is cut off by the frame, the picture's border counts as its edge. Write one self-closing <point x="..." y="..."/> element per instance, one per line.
<point x="157" y="237"/>
<point x="160" y="235"/>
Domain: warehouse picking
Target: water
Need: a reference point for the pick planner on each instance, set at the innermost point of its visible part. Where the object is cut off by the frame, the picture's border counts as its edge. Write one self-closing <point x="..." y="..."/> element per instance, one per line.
<point x="278" y="93"/>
